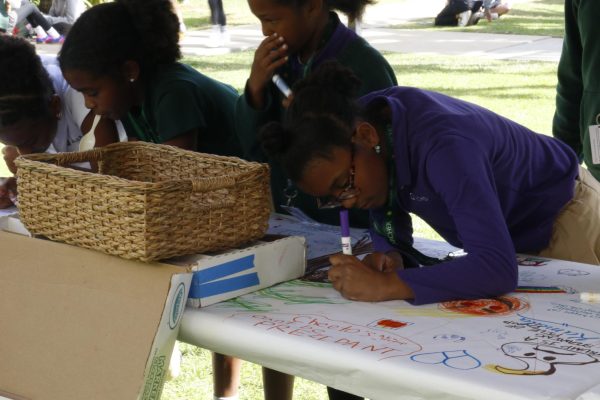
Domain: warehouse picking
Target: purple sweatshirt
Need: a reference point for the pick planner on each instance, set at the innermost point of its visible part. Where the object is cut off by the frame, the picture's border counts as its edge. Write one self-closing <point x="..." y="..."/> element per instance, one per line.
<point x="484" y="183"/>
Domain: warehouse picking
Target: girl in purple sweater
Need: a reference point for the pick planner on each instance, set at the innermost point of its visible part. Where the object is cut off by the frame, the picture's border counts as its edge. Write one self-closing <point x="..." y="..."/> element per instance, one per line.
<point x="484" y="183"/>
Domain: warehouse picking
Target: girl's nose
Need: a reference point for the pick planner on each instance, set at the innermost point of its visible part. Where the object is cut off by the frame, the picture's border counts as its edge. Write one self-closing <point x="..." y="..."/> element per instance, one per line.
<point x="266" y="31"/>
<point x="89" y="103"/>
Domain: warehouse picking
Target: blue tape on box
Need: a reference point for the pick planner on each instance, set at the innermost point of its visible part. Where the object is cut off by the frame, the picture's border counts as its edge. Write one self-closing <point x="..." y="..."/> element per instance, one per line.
<point x="209" y="282"/>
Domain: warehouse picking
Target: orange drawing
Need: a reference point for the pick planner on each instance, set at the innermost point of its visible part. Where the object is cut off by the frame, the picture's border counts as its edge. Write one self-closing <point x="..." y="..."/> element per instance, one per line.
<point x="503" y="305"/>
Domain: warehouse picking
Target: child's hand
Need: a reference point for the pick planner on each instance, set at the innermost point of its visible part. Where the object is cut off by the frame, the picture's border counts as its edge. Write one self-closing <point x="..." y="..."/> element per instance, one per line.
<point x="8" y="192"/>
<point x="10" y="153"/>
<point x="270" y="55"/>
<point x="383" y="262"/>
<point x="287" y="101"/>
<point x="356" y="280"/>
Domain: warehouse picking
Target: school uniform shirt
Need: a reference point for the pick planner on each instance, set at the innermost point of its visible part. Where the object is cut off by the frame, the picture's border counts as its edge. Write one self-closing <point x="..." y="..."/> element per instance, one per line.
<point x="179" y="99"/>
<point x="73" y="110"/>
<point x="338" y="43"/>
<point x="484" y="183"/>
<point x="578" y="90"/>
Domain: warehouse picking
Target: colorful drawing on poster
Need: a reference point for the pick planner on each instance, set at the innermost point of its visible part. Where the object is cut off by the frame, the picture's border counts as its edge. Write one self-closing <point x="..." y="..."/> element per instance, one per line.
<point x="389" y="324"/>
<point x="540" y="359"/>
<point x="546" y="344"/>
<point x="262" y="300"/>
<point x="532" y="275"/>
<point x="531" y="261"/>
<point x="497" y="334"/>
<point x="503" y="305"/>
<point x="449" y="337"/>
<point x="455" y="359"/>
<point x="427" y="310"/>
<point x="572" y="272"/>
<point x="372" y="343"/>
<point x="246" y="304"/>
<point x="286" y="293"/>
<point x="539" y="289"/>
<point x="584" y="310"/>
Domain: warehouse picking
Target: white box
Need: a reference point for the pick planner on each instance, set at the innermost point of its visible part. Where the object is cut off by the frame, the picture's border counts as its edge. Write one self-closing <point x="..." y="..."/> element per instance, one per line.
<point x="233" y="273"/>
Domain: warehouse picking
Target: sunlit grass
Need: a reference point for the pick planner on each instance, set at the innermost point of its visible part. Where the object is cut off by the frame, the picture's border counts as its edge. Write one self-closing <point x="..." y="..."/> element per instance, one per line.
<point x="520" y="90"/>
<point x="527" y="17"/>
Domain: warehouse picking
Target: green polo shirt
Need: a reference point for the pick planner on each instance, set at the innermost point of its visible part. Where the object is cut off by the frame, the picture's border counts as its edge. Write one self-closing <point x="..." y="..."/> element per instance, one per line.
<point x="178" y="99"/>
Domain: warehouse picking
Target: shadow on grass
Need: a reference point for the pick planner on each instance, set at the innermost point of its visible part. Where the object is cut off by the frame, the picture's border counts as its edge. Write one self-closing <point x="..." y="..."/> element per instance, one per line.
<point x="216" y="64"/>
<point x="536" y="17"/>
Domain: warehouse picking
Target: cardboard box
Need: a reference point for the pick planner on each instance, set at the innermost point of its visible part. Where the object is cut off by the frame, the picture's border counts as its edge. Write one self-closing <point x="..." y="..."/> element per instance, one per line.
<point x="229" y="274"/>
<point x="80" y="324"/>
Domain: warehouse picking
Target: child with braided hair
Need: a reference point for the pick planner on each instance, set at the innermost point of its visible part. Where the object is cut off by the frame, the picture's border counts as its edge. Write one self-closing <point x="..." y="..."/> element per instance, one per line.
<point x="39" y="111"/>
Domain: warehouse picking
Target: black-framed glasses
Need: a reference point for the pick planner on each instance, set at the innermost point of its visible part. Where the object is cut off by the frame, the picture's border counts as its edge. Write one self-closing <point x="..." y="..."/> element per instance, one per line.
<point x="347" y="193"/>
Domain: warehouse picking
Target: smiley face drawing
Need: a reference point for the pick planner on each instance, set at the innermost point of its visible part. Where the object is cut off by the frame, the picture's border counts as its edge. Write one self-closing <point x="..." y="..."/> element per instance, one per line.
<point x="540" y="359"/>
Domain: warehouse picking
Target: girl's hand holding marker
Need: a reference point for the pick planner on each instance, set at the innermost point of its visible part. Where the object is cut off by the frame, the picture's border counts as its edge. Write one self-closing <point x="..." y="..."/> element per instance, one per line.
<point x="269" y="56"/>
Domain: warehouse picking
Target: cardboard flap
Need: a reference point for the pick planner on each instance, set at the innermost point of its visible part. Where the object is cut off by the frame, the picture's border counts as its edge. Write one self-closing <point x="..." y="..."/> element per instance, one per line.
<point x="76" y="323"/>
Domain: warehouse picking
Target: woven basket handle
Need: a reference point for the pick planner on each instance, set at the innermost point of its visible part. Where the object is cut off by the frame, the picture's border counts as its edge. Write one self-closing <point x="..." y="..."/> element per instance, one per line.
<point x="206" y="184"/>
<point x="67" y="158"/>
<point x="226" y="182"/>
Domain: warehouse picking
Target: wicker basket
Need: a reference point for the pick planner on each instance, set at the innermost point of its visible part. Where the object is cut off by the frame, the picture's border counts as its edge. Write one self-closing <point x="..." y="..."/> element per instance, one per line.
<point x="147" y="202"/>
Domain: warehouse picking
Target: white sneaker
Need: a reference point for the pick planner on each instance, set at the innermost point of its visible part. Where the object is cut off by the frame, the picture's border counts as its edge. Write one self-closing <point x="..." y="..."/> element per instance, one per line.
<point x="225" y="36"/>
<point x="475" y="17"/>
<point x="463" y="18"/>
<point x="214" y="39"/>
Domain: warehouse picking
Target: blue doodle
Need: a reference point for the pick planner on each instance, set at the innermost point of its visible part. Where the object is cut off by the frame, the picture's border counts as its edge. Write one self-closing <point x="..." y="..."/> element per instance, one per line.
<point x="455" y="359"/>
<point x="572" y="272"/>
<point x="450" y="337"/>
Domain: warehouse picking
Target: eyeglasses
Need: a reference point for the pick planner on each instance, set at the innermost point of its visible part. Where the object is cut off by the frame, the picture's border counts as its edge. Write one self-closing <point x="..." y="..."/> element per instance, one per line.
<point x="347" y="193"/>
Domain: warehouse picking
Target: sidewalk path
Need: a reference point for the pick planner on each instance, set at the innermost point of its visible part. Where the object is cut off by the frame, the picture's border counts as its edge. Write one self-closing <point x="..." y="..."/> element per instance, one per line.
<point x="498" y="46"/>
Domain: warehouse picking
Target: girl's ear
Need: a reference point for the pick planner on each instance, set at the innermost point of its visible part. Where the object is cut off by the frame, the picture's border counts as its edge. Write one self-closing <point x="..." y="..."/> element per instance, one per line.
<point x="365" y="135"/>
<point x="131" y="70"/>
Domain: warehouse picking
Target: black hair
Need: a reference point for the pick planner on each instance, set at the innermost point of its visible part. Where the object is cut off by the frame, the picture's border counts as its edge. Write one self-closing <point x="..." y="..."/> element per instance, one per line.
<point x="354" y="9"/>
<point x="25" y="86"/>
<point x="321" y="117"/>
<point x="108" y="34"/>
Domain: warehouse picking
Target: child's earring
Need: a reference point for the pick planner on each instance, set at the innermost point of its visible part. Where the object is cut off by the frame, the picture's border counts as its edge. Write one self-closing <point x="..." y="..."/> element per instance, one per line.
<point x="59" y="115"/>
<point x="131" y="80"/>
<point x="377" y="149"/>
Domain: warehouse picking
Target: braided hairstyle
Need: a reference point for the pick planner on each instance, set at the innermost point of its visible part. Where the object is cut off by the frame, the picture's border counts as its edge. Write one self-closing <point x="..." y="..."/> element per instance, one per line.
<point x="107" y="35"/>
<point x="321" y="117"/>
<point x="25" y="86"/>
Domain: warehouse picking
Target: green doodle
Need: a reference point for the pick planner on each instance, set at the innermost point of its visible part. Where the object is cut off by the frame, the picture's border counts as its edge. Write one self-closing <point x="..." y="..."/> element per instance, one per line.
<point x="284" y="292"/>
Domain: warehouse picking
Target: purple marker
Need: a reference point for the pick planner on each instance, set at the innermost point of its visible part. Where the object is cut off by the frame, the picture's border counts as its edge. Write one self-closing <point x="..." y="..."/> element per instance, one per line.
<point x="346" y="239"/>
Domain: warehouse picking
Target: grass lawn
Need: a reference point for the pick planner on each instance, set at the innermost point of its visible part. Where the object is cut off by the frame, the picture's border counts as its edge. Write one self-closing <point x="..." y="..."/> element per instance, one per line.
<point x="527" y="17"/>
